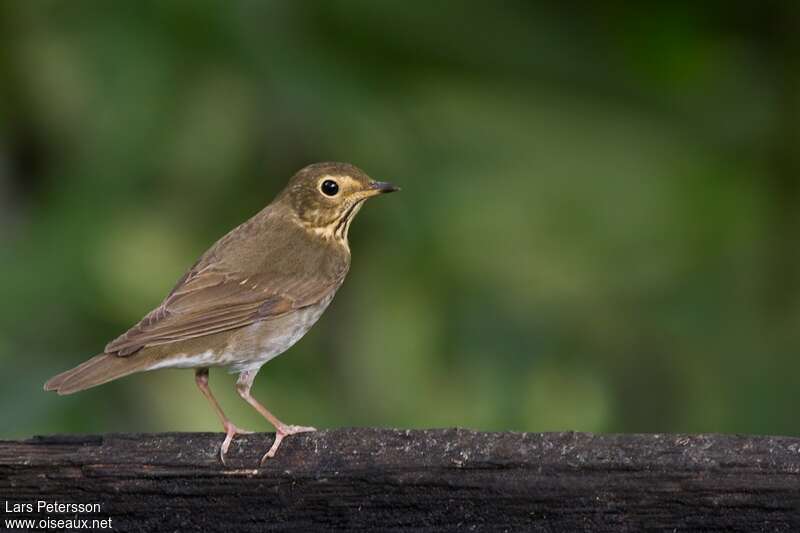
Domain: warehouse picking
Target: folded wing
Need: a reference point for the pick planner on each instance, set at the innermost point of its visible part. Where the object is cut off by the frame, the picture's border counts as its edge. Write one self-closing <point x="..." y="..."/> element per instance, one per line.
<point x="207" y="301"/>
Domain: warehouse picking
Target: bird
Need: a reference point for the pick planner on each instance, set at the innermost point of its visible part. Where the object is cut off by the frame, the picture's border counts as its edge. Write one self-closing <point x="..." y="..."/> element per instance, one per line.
<point x="249" y="298"/>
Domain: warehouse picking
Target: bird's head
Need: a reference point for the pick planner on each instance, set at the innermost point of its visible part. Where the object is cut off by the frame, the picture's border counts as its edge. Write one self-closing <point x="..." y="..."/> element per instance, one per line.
<point x="325" y="197"/>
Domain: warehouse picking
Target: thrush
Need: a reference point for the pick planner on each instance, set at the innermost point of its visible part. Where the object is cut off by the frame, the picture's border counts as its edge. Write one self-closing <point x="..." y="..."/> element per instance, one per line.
<point x="249" y="298"/>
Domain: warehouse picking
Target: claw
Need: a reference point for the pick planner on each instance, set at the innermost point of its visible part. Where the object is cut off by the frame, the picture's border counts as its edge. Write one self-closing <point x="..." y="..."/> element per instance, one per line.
<point x="281" y="433"/>
<point x="230" y="432"/>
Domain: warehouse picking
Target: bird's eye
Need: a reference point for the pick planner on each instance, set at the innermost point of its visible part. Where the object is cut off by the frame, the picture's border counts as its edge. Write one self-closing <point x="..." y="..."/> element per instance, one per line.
<point x="329" y="188"/>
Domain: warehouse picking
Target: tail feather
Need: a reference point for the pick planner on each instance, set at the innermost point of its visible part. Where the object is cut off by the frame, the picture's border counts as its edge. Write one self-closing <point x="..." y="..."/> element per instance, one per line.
<point x="96" y="371"/>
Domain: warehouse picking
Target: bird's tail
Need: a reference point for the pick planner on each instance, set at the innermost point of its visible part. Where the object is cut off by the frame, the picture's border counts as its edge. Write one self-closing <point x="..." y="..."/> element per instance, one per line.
<point x="96" y="371"/>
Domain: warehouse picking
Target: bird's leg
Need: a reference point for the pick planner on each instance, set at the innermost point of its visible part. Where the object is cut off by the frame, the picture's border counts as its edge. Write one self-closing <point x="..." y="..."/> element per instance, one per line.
<point x="243" y="385"/>
<point x="201" y="378"/>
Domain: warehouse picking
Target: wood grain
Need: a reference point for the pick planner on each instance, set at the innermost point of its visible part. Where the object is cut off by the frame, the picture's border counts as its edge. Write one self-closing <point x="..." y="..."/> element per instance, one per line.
<point x="449" y="479"/>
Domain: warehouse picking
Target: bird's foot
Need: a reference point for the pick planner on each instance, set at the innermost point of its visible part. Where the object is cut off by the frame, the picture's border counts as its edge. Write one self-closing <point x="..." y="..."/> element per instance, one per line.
<point x="231" y="430"/>
<point x="281" y="432"/>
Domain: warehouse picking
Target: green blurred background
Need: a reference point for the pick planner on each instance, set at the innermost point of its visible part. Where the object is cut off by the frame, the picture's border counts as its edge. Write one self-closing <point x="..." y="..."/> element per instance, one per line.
<point x="597" y="230"/>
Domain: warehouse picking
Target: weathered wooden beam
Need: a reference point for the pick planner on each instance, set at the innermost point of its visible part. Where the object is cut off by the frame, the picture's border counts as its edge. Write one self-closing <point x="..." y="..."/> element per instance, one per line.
<point x="437" y="479"/>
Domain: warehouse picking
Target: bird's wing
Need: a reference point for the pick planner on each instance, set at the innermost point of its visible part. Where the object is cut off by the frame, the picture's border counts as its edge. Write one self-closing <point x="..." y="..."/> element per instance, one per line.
<point x="207" y="301"/>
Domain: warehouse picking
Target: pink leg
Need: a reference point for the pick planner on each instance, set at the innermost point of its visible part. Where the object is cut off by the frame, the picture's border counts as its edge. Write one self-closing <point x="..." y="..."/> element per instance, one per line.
<point x="201" y="378"/>
<point x="243" y="385"/>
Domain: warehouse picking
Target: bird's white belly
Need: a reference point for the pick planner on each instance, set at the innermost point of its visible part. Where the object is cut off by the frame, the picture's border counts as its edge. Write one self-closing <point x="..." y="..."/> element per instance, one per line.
<point x="256" y="344"/>
<point x="181" y="360"/>
<point x="252" y="346"/>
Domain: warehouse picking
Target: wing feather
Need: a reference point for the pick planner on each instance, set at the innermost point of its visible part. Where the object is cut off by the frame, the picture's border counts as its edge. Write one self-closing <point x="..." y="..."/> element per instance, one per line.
<point x="207" y="301"/>
<point x="267" y="279"/>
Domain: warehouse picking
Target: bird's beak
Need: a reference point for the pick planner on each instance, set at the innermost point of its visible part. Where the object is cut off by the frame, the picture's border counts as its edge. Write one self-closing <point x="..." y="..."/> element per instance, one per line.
<point x="381" y="187"/>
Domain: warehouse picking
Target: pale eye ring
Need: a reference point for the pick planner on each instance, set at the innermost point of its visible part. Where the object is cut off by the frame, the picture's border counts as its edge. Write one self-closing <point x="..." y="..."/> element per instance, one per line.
<point x="329" y="188"/>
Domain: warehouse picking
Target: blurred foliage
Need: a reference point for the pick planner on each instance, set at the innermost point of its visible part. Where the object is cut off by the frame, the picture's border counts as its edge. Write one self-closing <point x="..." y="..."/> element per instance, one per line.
<point x="597" y="230"/>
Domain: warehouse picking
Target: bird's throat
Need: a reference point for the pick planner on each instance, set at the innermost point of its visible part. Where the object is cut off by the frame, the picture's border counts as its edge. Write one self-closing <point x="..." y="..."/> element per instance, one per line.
<point x="343" y="224"/>
<point x="337" y="230"/>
